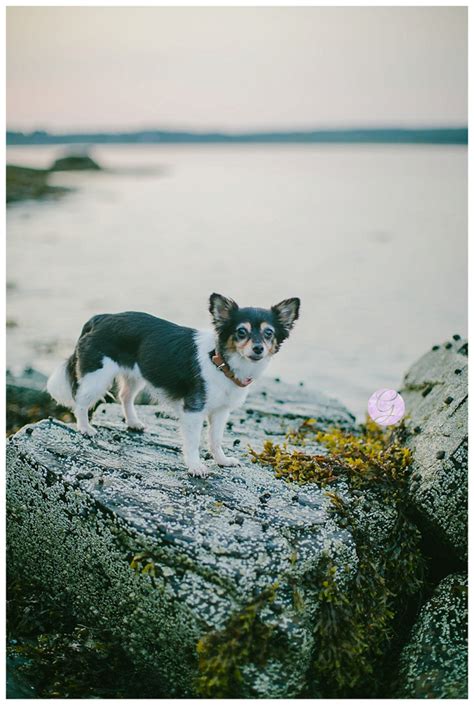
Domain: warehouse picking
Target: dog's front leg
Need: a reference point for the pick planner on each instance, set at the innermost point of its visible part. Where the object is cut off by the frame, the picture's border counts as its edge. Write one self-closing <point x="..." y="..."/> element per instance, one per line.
<point x="217" y="422"/>
<point x="191" y="428"/>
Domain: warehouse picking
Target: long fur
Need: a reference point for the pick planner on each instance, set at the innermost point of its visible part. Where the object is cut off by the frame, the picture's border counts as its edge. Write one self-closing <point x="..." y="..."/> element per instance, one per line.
<point x="60" y="385"/>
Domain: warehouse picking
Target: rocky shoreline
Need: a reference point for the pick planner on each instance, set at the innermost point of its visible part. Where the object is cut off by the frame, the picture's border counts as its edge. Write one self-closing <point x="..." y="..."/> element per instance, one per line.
<point x="302" y="572"/>
<point x="23" y="183"/>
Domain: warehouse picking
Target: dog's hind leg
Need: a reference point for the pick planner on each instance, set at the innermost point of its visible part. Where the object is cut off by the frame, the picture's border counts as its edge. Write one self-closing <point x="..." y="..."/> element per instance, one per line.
<point x="92" y="387"/>
<point x="130" y="385"/>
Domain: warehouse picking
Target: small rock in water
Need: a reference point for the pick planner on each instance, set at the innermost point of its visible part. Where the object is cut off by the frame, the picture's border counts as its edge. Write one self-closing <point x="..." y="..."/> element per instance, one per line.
<point x="75" y="162"/>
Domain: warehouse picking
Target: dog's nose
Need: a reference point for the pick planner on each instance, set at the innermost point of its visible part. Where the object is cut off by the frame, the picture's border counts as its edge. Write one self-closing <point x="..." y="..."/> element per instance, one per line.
<point x="257" y="349"/>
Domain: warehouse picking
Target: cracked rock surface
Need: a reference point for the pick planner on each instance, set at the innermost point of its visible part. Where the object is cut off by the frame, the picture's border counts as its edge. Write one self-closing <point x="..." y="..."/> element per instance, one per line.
<point x="435" y="394"/>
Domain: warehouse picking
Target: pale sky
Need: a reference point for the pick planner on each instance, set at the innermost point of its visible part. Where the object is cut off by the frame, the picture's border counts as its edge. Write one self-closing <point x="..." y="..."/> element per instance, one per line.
<point x="241" y="68"/>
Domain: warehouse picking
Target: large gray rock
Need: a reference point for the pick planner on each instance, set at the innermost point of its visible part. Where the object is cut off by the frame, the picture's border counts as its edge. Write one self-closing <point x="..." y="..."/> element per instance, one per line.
<point x="434" y="661"/>
<point x="116" y="528"/>
<point x="435" y="393"/>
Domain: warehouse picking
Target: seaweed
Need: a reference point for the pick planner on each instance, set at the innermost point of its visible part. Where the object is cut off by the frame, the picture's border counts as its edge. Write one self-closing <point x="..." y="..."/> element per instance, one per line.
<point x="223" y="654"/>
<point x="356" y="624"/>
<point x="56" y="656"/>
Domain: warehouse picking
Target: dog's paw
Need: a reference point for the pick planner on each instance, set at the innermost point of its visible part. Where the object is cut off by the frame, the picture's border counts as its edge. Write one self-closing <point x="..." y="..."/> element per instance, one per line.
<point x="136" y="426"/>
<point x="200" y="470"/>
<point x="88" y="431"/>
<point x="226" y="462"/>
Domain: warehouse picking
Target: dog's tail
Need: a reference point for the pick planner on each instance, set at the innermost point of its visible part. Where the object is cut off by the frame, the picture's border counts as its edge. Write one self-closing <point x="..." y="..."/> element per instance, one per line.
<point x="62" y="384"/>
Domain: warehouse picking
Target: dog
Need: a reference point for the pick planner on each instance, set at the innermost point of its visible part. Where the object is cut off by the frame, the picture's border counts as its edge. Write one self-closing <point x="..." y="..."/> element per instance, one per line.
<point x="198" y="373"/>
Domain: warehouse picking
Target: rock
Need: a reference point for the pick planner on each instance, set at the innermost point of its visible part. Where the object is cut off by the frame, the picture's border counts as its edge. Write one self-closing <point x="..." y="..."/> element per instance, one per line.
<point x="75" y="162"/>
<point x="28" y="400"/>
<point x="26" y="390"/>
<point x="433" y="664"/>
<point x="29" y="381"/>
<point x="24" y="183"/>
<point x="116" y="527"/>
<point x="435" y="394"/>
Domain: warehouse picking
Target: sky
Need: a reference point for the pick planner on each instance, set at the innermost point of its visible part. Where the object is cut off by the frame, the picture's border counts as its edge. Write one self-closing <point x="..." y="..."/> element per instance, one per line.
<point x="235" y="68"/>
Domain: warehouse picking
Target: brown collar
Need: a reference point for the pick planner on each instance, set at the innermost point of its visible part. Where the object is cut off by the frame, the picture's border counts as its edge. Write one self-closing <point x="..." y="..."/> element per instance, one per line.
<point x="222" y="365"/>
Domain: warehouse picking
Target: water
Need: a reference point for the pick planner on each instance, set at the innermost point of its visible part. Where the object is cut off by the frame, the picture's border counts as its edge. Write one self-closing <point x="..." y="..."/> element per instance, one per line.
<point x="372" y="238"/>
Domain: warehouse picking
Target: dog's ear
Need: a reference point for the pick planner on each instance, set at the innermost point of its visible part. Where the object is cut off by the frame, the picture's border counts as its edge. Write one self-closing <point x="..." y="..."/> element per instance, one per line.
<point x="287" y="312"/>
<point x="221" y="309"/>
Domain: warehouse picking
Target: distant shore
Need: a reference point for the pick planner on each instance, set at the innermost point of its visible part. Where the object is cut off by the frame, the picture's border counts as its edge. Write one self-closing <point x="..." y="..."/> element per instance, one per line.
<point x="24" y="183"/>
<point x="442" y="136"/>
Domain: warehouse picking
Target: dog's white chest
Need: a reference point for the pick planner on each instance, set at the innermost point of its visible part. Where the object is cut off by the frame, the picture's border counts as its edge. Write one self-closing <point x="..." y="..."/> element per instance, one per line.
<point x="222" y="392"/>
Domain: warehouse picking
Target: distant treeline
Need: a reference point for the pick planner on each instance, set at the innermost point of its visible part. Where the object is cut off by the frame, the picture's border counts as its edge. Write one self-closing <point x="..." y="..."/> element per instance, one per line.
<point x="454" y="135"/>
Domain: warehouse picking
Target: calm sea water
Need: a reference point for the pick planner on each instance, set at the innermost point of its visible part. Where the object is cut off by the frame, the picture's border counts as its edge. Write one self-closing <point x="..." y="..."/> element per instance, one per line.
<point x="372" y="238"/>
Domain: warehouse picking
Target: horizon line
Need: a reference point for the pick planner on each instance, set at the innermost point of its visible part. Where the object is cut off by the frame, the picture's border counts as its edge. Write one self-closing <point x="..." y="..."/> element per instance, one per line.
<point x="430" y="134"/>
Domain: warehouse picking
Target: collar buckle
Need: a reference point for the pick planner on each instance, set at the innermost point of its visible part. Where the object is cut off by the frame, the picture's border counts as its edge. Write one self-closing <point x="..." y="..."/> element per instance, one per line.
<point x="222" y="365"/>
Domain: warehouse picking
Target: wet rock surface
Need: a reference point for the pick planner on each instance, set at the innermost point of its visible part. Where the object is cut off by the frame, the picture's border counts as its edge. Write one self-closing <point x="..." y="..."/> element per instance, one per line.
<point x="435" y="393"/>
<point x="116" y="526"/>
<point x="433" y="664"/>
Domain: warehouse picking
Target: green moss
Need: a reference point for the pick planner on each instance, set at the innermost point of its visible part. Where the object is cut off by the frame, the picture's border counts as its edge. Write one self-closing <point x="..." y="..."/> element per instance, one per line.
<point x="355" y="623"/>
<point x="222" y="654"/>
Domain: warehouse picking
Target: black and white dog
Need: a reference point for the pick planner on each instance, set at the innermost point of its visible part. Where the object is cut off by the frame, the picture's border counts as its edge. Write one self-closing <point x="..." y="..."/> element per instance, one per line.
<point x="199" y="373"/>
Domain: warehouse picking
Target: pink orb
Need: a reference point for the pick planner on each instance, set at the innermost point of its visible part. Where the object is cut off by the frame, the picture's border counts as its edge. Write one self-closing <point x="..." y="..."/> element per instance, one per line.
<point x="386" y="407"/>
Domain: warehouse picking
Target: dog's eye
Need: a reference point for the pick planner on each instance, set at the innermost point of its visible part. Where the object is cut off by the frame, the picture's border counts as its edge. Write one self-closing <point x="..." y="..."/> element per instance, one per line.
<point x="241" y="333"/>
<point x="268" y="333"/>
